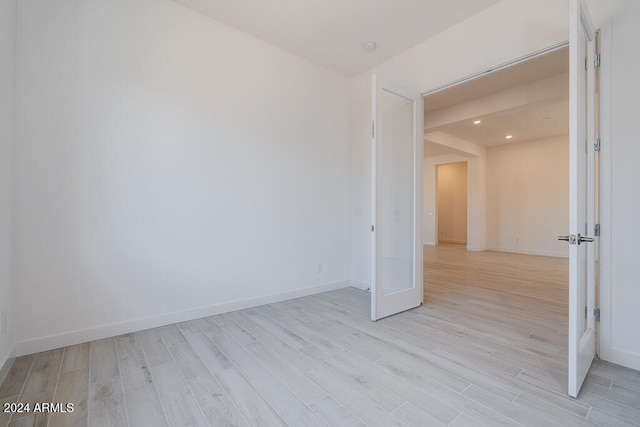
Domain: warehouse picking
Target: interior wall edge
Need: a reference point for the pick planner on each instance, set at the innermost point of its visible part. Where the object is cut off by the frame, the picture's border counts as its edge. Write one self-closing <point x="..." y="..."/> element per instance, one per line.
<point x="8" y="289"/>
<point x="6" y="365"/>
<point x="359" y="285"/>
<point x="51" y="342"/>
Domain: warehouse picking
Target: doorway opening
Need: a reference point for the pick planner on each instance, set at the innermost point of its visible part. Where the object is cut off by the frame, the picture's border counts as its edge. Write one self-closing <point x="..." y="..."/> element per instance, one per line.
<point x="521" y="213"/>
<point x="451" y="202"/>
<point x="510" y="130"/>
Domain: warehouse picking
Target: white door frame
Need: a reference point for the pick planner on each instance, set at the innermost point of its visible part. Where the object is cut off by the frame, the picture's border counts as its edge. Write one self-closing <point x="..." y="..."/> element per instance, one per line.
<point x="504" y="65"/>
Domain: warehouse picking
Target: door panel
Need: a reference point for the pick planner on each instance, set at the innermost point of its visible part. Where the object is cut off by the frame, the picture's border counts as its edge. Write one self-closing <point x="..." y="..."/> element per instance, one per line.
<point x="397" y="165"/>
<point x="581" y="196"/>
<point x="395" y="128"/>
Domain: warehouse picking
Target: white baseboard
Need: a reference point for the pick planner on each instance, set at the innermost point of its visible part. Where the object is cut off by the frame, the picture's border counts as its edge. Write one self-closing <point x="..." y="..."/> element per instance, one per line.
<point x="6" y="363"/>
<point x="623" y="358"/>
<point x="85" y="335"/>
<point x="429" y="242"/>
<point x="360" y="285"/>
<point x="453" y="241"/>
<point x="528" y="252"/>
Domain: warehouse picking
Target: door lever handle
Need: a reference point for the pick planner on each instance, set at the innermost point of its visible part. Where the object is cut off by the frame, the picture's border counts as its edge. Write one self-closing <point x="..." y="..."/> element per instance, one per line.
<point x="584" y="239"/>
<point x="575" y="240"/>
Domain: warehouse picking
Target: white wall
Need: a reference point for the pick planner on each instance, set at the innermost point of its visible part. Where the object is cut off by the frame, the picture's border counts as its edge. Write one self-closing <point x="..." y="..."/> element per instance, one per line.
<point x="477" y="203"/>
<point x="361" y="182"/>
<point x="7" y="116"/>
<point x="620" y="196"/>
<point x="451" y="189"/>
<point x="528" y="196"/>
<point x="168" y="167"/>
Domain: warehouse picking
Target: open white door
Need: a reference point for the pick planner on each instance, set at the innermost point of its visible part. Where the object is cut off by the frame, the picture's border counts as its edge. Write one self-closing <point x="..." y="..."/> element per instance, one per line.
<point x="582" y="293"/>
<point x="396" y="254"/>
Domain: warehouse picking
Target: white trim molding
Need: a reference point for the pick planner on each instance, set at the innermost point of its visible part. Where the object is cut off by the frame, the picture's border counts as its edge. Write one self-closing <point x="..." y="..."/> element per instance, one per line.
<point x="80" y="336"/>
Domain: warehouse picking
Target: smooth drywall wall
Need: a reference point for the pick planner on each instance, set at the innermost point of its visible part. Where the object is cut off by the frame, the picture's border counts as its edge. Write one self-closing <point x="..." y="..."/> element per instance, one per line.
<point x="169" y="167"/>
<point x="451" y="189"/>
<point x="7" y="117"/>
<point x="506" y="31"/>
<point x="361" y="186"/>
<point x="620" y="196"/>
<point x="528" y="196"/>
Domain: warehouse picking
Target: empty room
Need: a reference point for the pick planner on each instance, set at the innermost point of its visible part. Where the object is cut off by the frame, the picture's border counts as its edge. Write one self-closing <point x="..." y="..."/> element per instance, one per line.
<point x="212" y="213"/>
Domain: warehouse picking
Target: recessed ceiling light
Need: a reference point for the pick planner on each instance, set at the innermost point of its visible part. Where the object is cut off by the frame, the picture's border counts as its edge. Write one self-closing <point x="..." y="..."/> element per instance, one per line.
<point x="369" y="46"/>
<point x="477" y="122"/>
<point x="509" y="136"/>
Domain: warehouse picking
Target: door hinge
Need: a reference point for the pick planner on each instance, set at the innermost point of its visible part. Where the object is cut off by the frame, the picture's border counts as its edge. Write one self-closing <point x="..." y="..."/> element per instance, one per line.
<point x="586" y="64"/>
<point x="372" y="228"/>
<point x="596" y="145"/>
<point x="596" y="230"/>
<point x="373" y="129"/>
<point x="586" y="146"/>
<point x="596" y="314"/>
<point x="596" y="61"/>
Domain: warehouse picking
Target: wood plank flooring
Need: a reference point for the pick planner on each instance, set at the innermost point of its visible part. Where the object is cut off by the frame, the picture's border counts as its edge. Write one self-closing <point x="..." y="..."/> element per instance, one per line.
<point x="488" y="347"/>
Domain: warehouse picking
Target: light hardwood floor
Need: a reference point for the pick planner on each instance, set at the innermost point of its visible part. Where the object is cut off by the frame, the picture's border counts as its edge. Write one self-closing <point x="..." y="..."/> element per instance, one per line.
<point x="488" y="347"/>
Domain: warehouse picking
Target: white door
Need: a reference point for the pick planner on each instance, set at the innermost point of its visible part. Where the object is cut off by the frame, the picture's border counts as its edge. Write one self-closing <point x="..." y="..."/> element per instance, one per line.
<point x="581" y="196"/>
<point x="396" y="255"/>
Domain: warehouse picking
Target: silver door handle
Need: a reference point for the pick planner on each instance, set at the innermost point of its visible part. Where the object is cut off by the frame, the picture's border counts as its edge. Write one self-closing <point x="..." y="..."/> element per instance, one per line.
<point x="575" y="240"/>
<point x="584" y="239"/>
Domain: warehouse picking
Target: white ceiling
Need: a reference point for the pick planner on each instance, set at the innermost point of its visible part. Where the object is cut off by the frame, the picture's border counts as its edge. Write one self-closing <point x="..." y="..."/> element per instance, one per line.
<point x="331" y="32"/>
<point x="524" y="124"/>
<point x="530" y="120"/>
